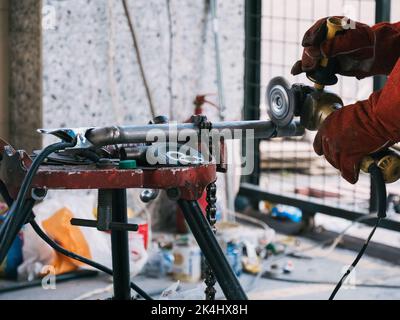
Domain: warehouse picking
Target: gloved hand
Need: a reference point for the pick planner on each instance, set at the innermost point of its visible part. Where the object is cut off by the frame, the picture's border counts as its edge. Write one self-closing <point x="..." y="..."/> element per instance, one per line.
<point x="351" y="133"/>
<point x="360" y="52"/>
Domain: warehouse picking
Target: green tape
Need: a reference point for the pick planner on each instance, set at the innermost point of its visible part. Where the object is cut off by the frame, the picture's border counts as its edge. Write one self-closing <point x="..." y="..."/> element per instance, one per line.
<point x="127" y="164"/>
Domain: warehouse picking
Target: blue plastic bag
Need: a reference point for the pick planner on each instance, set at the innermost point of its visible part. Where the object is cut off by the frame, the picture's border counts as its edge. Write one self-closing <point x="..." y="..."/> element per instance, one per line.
<point x="8" y="269"/>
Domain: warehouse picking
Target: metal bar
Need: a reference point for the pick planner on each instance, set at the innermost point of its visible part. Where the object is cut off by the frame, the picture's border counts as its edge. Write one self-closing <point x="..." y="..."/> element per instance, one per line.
<point x="218" y="67"/>
<point x="249" y="190"/>
<point x="103" y="136"/>
<point x="382" y="13"/>
<point x="251" y="109"/>
<point x="212" y="251"/>
<point x="120" y="248"/>
<point x="229" y="193"/>
<point x="84" y="223"/>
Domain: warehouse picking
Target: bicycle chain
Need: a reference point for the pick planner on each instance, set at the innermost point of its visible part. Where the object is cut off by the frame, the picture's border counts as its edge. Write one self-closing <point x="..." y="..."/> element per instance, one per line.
<point x="211" y="209"/>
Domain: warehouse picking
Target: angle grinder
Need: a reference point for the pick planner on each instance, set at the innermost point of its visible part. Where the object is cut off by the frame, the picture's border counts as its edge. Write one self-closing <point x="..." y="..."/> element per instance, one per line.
<point x="313" y="104"/>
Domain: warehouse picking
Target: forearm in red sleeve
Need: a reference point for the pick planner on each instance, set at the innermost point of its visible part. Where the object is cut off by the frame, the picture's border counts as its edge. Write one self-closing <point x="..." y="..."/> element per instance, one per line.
<point x="387" y="47"/>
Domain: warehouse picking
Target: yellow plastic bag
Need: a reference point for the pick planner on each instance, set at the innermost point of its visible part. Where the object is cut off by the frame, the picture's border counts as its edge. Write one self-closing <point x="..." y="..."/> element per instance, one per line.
<point x="59" y="228"/>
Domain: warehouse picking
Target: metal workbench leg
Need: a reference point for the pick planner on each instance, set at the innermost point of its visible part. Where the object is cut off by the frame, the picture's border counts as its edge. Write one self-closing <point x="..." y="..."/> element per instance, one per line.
<point x="212" y="251"/>
<point x="120" y="247"/>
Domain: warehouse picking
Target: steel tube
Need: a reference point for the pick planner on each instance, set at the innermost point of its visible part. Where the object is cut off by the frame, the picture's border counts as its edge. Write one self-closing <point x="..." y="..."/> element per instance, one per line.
<point x="382" y="14"/>
<point x="120" y="248"/>
<point x="212" y="251"/>
<point x="252" y="76"/>
<point x="103" y="136"/>
<point x="348" y="213"/>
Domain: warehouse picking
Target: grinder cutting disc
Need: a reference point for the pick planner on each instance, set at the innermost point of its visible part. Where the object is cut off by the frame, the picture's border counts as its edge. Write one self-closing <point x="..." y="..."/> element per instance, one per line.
<point x="280" y="102"/>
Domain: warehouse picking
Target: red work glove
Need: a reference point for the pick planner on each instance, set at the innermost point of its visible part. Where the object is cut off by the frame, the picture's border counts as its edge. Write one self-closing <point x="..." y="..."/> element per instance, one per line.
<point x="360" y="52"/>
<point x="353" y="132"/>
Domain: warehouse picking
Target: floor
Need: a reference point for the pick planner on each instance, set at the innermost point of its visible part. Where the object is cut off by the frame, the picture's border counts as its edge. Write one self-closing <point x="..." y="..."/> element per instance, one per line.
<point x="313" y="277"/>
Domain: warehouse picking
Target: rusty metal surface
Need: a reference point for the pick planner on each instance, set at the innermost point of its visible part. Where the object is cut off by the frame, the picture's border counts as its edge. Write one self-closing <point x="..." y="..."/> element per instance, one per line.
<point x="190" y="180"/>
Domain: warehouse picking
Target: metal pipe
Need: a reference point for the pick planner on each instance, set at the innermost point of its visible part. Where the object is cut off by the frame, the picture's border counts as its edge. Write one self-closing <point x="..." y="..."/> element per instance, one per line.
<point x="120" y="248"/>
<point x="221" y="92"/>
<point x="382" y="14"/>
<point x="212" y="251"/>
<point x="346" y="212"/>
<point x="252" y="76"/>
<point x="103" y="136"/>
<point x="229" y="192"/>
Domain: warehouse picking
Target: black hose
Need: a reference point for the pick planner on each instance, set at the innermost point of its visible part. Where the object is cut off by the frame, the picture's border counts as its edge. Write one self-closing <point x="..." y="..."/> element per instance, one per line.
<point x="16" y="217"/>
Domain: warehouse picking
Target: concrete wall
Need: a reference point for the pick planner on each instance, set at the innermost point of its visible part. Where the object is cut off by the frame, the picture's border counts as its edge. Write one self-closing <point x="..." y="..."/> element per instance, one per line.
<point x="4" y="119"/>
<point x="25" y="94"/>
<point x="80" y="69"/>
<point x="73" y="62"/>
<point x="90" y="70"/>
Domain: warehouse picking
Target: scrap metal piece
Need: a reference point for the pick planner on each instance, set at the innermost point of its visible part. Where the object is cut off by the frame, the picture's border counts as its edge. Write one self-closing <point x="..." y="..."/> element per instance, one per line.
<point x="71" y="134"/>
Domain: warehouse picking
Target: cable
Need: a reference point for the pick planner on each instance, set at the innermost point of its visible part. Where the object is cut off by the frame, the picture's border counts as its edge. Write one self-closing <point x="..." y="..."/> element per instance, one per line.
<point x="73" y="275"/>
<point x="23" y="215"/>
<point x="355" y="262"/>
<point x="139" y="58"/>
<point x="335" y="240"/>
<point x="380" y="190"/>
<point x="15" y="218"/>
<point x="94" y="292"/>
<point x="58" y="248"/>
<point x="381" y="203"/>
<point x="77" y="257"/>
<point x="366" y="285"/>
<point x="251" y="220"/>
